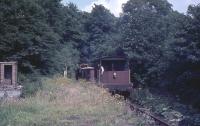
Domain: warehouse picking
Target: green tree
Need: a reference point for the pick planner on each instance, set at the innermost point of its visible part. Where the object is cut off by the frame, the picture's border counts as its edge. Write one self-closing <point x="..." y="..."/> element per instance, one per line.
<point x="33" y="32"/>
<point x="101" y="27"/>
<point x="144" y="33"/>
<point x="187" y="50"/>
<point x="24" y="35"/>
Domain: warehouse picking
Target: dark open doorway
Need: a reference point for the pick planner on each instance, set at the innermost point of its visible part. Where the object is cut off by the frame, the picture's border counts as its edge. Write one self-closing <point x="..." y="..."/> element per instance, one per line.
<point x="8" y="72"/>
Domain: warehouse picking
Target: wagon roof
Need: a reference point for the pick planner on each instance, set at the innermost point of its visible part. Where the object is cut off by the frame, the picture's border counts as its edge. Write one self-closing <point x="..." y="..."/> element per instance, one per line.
<point x="113" y="58"/>
<point x="87" y="68"/>
<point x="118" y="54"/>
<point x="109" y="58"/>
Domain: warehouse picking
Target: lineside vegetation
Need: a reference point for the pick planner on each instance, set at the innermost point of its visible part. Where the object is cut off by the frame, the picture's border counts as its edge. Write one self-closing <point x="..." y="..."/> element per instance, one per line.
<point x="62" y="102"/>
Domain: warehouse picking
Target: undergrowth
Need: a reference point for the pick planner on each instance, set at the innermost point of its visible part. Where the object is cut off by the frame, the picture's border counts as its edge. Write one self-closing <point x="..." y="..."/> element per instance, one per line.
<point x="168" y="106"/>
<point x="63" y="102"/>
<point x="31" y="84"/>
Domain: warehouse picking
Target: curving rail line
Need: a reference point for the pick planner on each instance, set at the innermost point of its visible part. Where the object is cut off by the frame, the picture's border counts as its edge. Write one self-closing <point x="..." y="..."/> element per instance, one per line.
<point x="158" y="121"/>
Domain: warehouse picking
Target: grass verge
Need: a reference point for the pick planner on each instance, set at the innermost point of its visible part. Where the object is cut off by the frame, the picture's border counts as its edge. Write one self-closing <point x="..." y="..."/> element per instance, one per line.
<point x="62" y="102"/>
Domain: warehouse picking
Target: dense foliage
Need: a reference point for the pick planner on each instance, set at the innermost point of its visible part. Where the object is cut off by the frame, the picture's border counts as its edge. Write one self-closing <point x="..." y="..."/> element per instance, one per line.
<point x="163" y="45"/>
<point x="101" y="29"/>
<point x="38" y="32"/>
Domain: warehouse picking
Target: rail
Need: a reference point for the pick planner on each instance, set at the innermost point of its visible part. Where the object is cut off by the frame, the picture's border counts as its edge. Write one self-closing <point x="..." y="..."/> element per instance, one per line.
<point x="157" y="120"/>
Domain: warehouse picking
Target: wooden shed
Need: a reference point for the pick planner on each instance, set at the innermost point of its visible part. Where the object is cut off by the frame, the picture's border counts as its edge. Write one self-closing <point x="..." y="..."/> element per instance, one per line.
<point x="8" y="74"/>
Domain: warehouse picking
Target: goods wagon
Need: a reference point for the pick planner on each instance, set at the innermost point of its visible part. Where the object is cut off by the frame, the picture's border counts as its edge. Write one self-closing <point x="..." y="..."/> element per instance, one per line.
<point x="113" y="73"/>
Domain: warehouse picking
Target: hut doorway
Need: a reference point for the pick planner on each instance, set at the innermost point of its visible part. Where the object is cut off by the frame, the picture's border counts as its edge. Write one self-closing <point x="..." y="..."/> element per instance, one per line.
<point x="8" y="72"/>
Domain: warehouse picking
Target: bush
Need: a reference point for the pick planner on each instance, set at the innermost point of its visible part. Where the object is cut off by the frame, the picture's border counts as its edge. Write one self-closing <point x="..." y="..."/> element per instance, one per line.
<point x="31" y="84"/>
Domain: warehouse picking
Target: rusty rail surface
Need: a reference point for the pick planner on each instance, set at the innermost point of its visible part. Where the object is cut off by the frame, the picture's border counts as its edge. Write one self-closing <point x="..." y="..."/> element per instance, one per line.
<point x="157" y="120"/>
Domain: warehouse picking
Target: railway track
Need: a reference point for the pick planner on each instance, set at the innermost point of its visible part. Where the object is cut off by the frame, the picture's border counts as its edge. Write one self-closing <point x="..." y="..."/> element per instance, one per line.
<point x="146" y="114"/>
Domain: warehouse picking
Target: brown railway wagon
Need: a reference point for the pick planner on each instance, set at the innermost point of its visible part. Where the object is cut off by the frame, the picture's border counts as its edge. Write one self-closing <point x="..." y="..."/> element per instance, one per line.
<point x="113" y="73"/>
<point x="87" y="73"/>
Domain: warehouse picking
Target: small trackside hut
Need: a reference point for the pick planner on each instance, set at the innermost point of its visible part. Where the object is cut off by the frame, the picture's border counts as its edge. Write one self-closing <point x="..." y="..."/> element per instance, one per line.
<point x="113" y="73"/>
<point x="9" y="87"/>
<point x="8" y="74"/>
